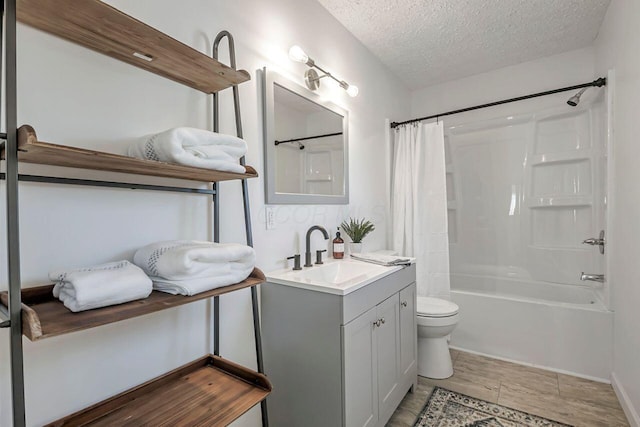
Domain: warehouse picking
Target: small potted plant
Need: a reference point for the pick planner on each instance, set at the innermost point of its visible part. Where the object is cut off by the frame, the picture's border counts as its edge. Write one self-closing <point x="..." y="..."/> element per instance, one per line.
<point x="357" y="230"/>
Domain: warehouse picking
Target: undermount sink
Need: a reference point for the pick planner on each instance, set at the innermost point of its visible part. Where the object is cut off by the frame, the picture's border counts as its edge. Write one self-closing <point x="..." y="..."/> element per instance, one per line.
<point x="336" y="276"/>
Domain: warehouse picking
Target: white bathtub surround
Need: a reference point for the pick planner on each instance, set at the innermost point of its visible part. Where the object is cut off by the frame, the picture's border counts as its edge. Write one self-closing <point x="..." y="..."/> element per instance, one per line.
<point x="419" y="204"/>
<point x="562" y="328"/>
<point x="526" y="185"/>
<point x="526" y="190"/>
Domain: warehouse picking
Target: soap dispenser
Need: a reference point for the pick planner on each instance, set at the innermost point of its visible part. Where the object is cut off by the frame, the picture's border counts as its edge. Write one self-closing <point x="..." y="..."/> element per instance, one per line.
<point x="338" y="246"/>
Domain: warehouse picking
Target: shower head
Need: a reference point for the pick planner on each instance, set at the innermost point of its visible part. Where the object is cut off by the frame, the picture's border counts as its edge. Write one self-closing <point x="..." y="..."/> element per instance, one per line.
<point x="575" y="99"/>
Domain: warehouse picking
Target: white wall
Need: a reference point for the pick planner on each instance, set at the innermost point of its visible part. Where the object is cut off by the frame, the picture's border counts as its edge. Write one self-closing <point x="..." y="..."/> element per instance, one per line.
<point x="77" y="97"/>
<point x="617" y="48"/>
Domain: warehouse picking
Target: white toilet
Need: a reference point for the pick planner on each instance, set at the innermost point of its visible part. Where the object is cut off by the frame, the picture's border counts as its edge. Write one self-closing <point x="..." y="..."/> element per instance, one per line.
<point x="437" y="318"/>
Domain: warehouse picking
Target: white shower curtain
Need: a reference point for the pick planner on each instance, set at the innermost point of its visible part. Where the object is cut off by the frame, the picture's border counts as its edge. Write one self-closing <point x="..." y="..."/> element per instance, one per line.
<point x="419" y="205"/>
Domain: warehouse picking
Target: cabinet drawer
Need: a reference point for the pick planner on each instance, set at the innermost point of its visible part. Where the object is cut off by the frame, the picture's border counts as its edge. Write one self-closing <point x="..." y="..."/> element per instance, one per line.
<point x="356" y="303"/>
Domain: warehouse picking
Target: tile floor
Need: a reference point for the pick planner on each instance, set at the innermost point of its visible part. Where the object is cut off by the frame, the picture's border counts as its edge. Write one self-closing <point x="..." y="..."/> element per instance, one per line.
<point x="563" y="398"/>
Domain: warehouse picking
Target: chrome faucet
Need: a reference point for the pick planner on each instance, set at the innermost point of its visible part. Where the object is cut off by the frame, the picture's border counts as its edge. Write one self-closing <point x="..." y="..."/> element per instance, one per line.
<point x="599" y="241"/>
<point x="307" y="253"/>
<point x="593" y="277"/>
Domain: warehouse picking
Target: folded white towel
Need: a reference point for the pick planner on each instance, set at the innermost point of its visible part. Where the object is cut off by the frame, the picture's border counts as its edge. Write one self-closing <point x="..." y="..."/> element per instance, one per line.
<point x="100" y="286"/>
<point x="381" y="259"/>
<point x="188" y="267"/>
<point x="192" y="147"/>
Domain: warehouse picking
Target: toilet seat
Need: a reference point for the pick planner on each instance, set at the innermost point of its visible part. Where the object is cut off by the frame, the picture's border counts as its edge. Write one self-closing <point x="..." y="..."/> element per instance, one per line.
<point x="435" y="307"/>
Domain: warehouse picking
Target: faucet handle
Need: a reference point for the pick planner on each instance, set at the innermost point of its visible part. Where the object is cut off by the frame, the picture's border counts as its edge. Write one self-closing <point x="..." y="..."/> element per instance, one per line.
<point x="296" y="261"/>
<point x="319" y="256"/>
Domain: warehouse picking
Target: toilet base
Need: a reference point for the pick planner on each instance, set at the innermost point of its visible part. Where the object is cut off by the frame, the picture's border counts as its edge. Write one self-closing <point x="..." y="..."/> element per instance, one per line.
<point x="434" y="359"/>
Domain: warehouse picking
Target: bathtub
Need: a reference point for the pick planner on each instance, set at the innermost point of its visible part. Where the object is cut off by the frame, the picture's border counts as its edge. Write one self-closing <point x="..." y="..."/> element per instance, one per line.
<point x="563" y="328"/>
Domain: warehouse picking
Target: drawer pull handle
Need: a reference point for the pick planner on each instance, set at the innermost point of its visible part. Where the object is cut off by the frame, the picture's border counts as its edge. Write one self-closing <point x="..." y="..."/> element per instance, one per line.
<point x="382" y="320"/>
<point x="404" y="303"/>
<point x="376" y="323"/>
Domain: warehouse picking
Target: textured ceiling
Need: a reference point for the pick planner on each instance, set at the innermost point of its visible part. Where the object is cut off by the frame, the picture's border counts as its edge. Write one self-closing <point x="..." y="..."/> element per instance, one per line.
<point x="426" y="42"/>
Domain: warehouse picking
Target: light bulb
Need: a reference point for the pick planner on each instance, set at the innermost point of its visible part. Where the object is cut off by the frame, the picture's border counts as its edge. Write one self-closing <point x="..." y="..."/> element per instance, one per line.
<point x="297" y="54"/>
<point x="352" y="90"/>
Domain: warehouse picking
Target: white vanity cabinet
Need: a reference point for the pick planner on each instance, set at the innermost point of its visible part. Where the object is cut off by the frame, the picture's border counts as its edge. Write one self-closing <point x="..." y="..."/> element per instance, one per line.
<point x="340" y="360"/>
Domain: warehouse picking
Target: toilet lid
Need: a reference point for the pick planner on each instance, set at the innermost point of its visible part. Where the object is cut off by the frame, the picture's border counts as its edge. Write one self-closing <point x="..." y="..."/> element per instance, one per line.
<point x="436" y="307"/>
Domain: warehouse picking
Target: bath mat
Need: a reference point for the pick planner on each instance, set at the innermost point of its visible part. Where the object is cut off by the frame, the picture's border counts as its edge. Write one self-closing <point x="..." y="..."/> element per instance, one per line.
<point x="450" y="409"/>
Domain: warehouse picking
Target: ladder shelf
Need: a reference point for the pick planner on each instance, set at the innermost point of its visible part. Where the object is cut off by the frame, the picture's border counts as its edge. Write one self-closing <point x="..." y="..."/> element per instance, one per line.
<point x="44" y="316"/>
<point x="208" y="391"/>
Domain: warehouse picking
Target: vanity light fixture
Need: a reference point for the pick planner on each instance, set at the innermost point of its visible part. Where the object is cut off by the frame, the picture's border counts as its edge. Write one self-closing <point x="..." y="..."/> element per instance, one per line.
<point x="311" y="77"/>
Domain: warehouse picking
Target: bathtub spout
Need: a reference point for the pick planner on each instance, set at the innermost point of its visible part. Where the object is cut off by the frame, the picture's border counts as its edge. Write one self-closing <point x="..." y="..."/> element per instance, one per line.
<point x="593" y="277"/>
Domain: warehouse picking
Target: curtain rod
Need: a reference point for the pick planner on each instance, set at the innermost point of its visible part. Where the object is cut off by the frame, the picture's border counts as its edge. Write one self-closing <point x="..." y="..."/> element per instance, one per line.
<point x="308" y="137"/>
<point x="597" y="83"/>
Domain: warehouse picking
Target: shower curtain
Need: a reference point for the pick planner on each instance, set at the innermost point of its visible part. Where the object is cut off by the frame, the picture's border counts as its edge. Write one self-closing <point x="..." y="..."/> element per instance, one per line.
<point x="419" y="205"/>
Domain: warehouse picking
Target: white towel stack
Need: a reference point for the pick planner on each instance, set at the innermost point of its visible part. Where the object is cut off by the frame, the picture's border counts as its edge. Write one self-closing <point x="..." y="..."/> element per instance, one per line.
<point x="100" y="286"/>
<point x="189" y="267"/>
<point x="381" y="259"/>
<point x="192" y="147"/>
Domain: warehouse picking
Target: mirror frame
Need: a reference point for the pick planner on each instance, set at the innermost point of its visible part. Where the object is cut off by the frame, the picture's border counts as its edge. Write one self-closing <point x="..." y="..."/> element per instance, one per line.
<point x="269" y="79"/>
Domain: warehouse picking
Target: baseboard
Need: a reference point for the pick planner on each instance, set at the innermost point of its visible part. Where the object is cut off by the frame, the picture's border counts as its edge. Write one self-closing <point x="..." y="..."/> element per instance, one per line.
<point x="533" y="365"/>
<point x="625" y="402"/>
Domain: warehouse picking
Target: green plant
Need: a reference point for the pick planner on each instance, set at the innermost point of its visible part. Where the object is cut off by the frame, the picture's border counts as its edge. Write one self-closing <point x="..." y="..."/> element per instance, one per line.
<point x="357" y="229"/>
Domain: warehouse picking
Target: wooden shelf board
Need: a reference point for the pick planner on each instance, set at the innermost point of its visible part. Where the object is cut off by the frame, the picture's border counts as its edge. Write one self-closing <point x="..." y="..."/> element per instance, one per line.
<point x="44" y="316"/>
<point x="210" y="391"/>
<point x="100" y="27"/>
<point x="33" y="151"/>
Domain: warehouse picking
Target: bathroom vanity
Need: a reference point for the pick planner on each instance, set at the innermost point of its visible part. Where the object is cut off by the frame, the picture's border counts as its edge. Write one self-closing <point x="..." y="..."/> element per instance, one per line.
<point x="339" y="343"/>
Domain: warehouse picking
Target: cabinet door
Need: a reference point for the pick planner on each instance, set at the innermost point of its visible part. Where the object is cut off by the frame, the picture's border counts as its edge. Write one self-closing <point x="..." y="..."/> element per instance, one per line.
<point x="408" y="332"/>
<point x="360" y="370"/>
<point x="388" y="354"/>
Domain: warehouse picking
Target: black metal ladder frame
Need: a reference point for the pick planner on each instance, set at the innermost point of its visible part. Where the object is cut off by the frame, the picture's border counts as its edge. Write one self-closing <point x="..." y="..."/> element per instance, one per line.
<point x="247" y="219"/>
<point x="14" y="319"/>
<point x="11" y="318"/>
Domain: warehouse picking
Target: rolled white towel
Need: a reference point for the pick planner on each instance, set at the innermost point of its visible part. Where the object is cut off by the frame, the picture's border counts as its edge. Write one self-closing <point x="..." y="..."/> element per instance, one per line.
<point x="189" y="267"/>
<point x="192" y="147"/>
<point x="100" y="286"/>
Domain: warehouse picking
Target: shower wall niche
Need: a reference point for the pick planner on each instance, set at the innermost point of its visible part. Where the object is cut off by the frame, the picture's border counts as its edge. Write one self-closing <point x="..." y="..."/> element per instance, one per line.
<point x="524" y="191"/>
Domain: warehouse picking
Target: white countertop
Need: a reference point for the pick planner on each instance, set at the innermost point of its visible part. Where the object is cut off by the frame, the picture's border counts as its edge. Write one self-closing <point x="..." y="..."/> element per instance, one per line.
<point x="335" y="276"/>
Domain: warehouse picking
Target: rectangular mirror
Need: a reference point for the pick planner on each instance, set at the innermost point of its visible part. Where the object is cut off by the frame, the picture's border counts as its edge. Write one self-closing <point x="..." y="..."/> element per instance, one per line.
<point x="305" y="145"/>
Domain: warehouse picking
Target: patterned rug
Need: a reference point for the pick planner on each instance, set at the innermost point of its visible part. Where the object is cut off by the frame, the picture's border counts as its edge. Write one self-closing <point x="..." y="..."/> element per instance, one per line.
<point x="450" y="409"/>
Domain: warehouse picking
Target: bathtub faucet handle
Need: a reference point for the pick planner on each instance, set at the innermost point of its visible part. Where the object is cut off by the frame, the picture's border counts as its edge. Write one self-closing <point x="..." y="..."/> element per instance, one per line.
<point x="599" y="241"/>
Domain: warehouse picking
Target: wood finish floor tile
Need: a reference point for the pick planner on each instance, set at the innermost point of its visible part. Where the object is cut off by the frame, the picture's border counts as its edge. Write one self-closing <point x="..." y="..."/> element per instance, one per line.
<point x="534" y="402"/>
<point x="402" y="418"/>
<point x="570" y="411"/>
<point x="507" y="372"/>
<point x="564" y="398"/>
<point x="414" y="402"/>
<point x="588" y="391"/>
<point x="468" y="383"/>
